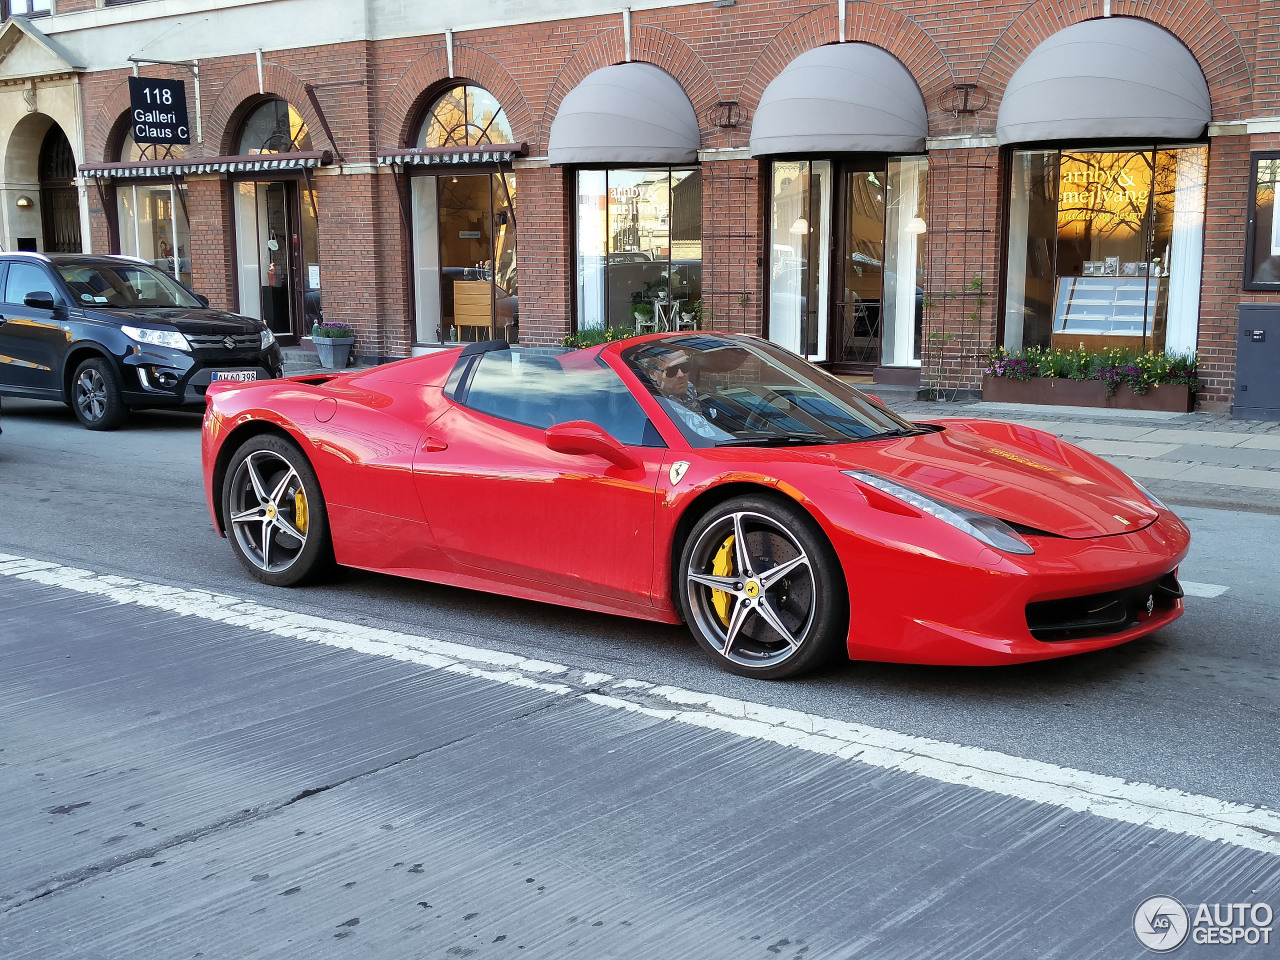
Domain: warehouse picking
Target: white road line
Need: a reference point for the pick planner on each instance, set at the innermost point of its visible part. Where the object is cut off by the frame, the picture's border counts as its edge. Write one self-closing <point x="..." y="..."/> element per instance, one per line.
<point x="1143" y="804"/>
<point x="1192" y="589"/>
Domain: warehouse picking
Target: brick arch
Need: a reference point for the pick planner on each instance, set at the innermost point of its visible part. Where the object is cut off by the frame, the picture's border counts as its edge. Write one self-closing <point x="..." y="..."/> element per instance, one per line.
<point x="427" y="75"/>
<point x="101" y="144"/>
<point x="648" y="45"/>
<point x="223" y="121"/>
<point x="1196" y="23"/>
<point x="867" y="22"/>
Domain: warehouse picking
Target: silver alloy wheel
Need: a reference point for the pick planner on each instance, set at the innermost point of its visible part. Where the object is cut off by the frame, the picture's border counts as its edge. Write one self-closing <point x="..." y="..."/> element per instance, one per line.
<point x="768" y="591"/>
<point x="91" y="394"/>
<point x="268" y="518"/>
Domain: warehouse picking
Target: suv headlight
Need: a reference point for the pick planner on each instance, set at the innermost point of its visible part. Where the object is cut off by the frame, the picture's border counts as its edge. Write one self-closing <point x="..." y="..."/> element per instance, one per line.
<point x="989" y="530"/>
<point x="268" y="338"/>
<point x="160" y="338"/>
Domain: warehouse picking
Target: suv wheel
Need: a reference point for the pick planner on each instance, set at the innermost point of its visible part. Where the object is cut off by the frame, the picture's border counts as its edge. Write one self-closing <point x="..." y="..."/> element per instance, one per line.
<point x="95" y="395"/>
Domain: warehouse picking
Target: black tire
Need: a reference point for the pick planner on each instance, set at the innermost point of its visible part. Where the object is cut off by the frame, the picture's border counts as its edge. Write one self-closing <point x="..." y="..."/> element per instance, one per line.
<point x="274" y="513"/>
<point x="735" y="613"/>
<point x="95" y="395"/>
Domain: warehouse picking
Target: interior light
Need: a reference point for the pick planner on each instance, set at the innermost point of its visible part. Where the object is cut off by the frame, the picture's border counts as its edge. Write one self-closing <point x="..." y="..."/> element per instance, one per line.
<point x="915" y="225"/>
<point x="800" y="226"/>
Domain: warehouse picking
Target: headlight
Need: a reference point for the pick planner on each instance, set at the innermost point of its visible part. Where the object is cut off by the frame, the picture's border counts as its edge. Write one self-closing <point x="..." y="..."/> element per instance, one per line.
<point x="988" y="530"/>
<point x="160" y="338"/>
<point x="268" y="338"/>
<point x="1155" y="501"/>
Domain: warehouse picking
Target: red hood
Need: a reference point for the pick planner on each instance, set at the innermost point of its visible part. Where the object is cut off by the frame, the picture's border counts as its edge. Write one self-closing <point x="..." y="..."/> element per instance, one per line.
<point x="1012" y="472"/>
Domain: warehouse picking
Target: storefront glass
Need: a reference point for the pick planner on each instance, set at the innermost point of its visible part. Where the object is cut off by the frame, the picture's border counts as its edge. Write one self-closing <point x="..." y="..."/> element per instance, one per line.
<point x="153" y="226"/>
<point x="854" y="297"/>
<point x="274" y="126"/>
<point x="1105" y="248"/>
<point x="639" y="240"/>
<point x="466" y="284"/>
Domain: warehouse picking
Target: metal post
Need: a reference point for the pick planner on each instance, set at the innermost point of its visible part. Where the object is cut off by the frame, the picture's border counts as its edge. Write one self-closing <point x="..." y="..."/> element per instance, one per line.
<point x="448" y="49"/>
<point x="626" y="34"/>
<point x="843" y="5"/>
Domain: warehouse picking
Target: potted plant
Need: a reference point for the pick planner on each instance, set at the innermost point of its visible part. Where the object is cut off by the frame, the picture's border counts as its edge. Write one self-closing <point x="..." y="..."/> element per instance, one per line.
<point x="333" y="342"/>
<point x="1103" y="378"/>
<point x="692" y="314"/>
<point x="642" y="312"/>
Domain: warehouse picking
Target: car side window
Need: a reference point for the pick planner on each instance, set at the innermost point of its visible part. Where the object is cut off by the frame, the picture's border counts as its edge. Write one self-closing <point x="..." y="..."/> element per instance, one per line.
<point x="24" y="279"/>
<point x="538" y="391"/>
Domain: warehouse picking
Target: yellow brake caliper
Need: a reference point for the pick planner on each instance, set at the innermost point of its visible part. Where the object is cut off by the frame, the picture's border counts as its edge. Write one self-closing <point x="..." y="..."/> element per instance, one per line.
<point x="300" y="510"/>
<point x="722" y="566"/>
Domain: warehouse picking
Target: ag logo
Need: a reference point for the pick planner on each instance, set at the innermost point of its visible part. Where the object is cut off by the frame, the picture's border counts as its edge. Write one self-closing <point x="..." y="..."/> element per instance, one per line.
<point x="1161" y="924"/>
<point x="677" y="471"/>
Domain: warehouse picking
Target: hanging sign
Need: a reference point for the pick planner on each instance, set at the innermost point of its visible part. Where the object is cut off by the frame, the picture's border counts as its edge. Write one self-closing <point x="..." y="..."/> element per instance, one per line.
<point x="158" y="110"/>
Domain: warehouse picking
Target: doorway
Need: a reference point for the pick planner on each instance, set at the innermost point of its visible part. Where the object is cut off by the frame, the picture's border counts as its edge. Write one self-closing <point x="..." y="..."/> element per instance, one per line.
<point x="278" y="265"/>
<point x="59" y="202"/>
<point x="466" y="284"/>
<point x="846" y="260"/>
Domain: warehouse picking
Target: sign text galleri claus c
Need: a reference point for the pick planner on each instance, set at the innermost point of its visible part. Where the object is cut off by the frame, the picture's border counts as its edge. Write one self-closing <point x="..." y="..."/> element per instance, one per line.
<point x="1162" y="924"/>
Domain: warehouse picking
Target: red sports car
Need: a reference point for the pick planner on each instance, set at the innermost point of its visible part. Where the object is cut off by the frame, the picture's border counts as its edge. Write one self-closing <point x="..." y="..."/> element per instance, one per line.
<point x="698" y="477"/>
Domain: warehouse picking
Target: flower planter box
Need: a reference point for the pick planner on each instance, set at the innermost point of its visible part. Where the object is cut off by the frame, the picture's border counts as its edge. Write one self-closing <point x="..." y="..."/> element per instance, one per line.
<point x="1168" y="397"/>
<point x="333" y="351"/>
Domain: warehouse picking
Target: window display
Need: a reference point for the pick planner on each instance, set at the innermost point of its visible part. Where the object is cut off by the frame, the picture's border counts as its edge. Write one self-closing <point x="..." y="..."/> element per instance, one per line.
<point x="639" y="241"/>
<point x="1105" y="248"/>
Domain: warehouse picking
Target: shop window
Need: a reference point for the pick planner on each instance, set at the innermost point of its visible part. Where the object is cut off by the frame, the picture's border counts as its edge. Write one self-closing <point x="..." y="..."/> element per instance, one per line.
<point x="274" y="126"/>
<point x="152" y="218"/>
<point x="1105" y="248"/>
<point x="133" y="152"/>
<point x="466" y="285"/>
<point x="464" y="116"/>
<point x="1262" y="245"/>
<point x="639" y="240"/>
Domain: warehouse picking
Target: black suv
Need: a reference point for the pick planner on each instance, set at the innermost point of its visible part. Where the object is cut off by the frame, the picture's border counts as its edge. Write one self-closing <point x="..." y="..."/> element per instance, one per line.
<point x="106" y="334"/>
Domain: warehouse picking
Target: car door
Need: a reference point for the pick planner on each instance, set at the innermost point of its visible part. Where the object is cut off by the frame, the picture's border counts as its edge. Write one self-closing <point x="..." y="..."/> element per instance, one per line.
<point x="500" y="500"/>
<point x="31" y="338"/>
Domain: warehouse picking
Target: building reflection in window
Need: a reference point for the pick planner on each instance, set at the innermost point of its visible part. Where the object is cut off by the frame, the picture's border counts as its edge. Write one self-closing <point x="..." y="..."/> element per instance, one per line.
<point x="639" y="237"/>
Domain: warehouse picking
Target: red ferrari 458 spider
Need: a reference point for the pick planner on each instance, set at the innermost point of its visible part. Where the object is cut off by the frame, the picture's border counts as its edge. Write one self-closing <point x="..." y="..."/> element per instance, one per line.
<point x="699" y="477"/>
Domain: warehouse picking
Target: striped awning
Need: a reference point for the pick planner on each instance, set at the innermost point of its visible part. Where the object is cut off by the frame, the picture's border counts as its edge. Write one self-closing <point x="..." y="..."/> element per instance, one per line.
<point x="250" y="163"/>
<point x="452" y="156"/>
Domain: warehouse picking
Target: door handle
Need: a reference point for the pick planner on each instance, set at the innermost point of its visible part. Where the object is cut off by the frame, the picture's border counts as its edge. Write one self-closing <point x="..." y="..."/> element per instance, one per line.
<point x="433" y="445"/>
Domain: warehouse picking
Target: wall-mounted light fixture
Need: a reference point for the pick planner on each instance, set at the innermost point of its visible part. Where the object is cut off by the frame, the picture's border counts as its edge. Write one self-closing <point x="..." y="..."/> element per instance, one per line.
<point x="725" y="113"/>
<point x="24" y="202"/>
<point x="964" y="99"/>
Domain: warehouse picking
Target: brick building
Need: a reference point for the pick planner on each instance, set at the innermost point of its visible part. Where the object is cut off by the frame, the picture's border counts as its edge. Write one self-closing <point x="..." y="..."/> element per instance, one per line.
<point x="888" y="187"/>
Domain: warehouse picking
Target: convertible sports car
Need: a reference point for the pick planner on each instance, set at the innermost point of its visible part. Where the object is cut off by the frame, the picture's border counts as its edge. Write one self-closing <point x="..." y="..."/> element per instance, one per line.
<point x="703" y="477"/>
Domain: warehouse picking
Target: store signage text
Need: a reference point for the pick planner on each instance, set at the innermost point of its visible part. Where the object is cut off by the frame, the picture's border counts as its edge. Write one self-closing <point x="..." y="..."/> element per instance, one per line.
<point x="1099" y="188"/>
<point x="158" y="110"/>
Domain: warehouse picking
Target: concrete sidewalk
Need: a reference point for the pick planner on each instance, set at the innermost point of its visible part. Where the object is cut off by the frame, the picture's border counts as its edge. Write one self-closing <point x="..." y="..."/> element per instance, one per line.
<point x="1194" y="459"/>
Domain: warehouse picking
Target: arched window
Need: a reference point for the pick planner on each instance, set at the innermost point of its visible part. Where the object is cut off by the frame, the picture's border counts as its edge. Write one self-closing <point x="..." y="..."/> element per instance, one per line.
<point x="133" y="152"/>
<point x="274" y="126"/>
<point x="464" y="116"/>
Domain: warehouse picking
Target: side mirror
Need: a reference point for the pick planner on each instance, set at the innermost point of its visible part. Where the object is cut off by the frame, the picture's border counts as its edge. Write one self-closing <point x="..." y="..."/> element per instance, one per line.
<point x="40" y="299"/>
<point x="583" y="438"/>
<point x="872" y="396"/>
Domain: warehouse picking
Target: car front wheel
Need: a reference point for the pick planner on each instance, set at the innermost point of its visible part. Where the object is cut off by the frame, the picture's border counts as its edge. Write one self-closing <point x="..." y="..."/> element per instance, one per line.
<point x="95" y="395"/>
<point x="762" y="590"/>
<point x="275" y="514"/>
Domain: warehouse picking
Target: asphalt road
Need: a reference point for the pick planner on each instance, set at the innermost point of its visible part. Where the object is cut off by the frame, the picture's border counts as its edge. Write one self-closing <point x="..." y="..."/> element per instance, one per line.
<point x="1194" y="708"/>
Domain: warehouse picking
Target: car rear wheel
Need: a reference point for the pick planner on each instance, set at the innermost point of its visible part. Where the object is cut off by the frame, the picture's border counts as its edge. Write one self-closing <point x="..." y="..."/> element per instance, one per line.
<point x="275" y="514"/>
<point x="762" y="590"/>
<point x="95" y="395"/>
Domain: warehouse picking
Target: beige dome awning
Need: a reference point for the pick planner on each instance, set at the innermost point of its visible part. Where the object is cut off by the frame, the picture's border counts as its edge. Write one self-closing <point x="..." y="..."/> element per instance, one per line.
<point x="1118" y="77"/>
<point x="838" y="98"/>
<point x="627" y="113"/>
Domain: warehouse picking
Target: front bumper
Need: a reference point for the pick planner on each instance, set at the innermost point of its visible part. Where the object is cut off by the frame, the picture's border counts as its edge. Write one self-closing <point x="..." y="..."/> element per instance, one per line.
<point x="928" y="609"/>
<point x="174" y="378"/>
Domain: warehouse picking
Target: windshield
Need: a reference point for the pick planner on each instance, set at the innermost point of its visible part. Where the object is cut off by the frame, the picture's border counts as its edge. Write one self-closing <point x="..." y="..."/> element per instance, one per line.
<point x="722" y="391"/>
<point x="124" y="285"/>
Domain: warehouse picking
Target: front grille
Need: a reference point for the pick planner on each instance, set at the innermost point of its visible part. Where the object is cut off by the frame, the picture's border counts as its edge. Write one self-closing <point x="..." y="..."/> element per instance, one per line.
<point x="216" y="341"/>
<point x="1102" y="614"/>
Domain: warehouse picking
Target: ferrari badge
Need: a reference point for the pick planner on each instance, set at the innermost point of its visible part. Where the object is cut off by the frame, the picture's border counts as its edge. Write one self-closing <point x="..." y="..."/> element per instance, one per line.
<point x="677" y="471"/>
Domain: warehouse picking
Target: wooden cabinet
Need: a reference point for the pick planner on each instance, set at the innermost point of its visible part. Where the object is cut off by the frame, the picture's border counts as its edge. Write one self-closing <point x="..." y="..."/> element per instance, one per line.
<point x="473" y="308"/>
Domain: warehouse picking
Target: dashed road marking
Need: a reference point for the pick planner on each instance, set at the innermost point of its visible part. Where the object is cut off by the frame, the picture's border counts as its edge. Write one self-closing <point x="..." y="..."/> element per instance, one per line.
<point x="1143" y="804"/>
